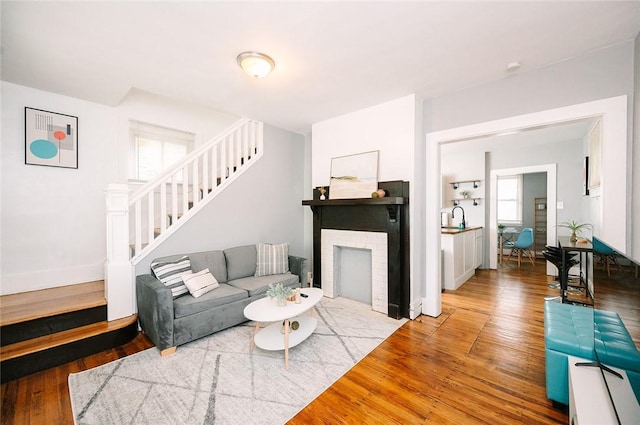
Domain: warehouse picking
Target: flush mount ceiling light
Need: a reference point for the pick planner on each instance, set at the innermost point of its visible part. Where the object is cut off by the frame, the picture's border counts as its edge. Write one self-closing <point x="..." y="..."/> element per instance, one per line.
<point x="256" y="64"/>
<point x="513" y="66"/>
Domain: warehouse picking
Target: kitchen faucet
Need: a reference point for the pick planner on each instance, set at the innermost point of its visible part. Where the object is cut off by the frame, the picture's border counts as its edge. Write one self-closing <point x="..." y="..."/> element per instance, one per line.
<point x="462" y="223"/>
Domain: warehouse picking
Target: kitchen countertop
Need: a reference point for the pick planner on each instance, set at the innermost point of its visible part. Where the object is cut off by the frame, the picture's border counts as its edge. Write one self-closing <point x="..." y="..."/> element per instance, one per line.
<point x="455" y="230"/>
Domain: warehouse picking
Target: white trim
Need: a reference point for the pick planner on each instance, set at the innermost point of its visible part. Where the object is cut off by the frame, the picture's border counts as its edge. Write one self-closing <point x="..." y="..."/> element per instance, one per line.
<point x="552" y="196"/>
<point x="614" y="113"/>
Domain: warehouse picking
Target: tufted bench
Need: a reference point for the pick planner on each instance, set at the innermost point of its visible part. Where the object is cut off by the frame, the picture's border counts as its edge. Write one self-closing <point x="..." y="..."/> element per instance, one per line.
<point x="572" y="330"/>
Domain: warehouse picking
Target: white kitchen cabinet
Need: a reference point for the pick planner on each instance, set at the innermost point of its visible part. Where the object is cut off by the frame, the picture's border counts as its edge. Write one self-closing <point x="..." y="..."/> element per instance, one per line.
<point x="460" y="256"/>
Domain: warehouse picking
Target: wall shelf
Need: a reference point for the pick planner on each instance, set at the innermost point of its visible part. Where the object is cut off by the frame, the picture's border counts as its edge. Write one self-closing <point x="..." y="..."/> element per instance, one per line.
<point x="474" y="183"/>
<point x="476" y="201"/>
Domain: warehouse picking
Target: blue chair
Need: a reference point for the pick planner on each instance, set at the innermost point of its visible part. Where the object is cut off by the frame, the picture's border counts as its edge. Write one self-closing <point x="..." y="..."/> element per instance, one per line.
<point x="605" y="254"/>
<point x="522" y="246"/>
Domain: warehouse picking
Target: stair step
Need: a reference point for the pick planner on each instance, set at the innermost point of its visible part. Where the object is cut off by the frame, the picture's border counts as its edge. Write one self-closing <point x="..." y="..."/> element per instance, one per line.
<point x="26" y="306"/>
<point x="58" y="339"/>
<point x="49" y="327"/>
<point x="26" y="357"/>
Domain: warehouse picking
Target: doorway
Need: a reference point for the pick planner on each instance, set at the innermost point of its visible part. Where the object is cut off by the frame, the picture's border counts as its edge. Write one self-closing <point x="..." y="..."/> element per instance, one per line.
<point x="613" y="214"/>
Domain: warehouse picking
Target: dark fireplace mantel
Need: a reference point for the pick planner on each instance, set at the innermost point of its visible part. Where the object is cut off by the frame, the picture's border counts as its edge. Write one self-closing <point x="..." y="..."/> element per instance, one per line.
<point x="389" y="215"/>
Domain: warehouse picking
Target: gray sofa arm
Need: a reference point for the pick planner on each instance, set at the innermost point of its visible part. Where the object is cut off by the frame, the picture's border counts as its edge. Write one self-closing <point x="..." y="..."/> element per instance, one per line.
<point x="299" y="266"/>
<point x="155" y="310"/>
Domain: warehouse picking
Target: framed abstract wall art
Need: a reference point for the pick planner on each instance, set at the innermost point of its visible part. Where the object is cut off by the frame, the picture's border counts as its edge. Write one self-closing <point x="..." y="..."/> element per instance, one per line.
<point x="51" y="139"/>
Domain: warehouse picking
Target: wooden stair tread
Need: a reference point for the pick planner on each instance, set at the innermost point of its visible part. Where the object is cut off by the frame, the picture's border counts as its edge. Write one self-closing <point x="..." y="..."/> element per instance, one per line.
<point x="17" y="308"/>
<point x="61" y="338"/>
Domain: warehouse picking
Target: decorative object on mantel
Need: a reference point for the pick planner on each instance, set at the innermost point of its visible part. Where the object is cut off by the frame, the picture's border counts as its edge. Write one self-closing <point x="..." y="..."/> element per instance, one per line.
<point x="575" y="227"/>
<point x="50" y="139"/>
<point x="280" y="293"/>
<point x="322" y="193"/>
<point x="354" y="176"/>
<point x="380" y="193"/>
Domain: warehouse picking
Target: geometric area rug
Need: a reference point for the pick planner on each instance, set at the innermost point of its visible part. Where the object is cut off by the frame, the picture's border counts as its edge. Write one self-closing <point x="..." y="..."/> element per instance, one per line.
<point x="218" y="380"/>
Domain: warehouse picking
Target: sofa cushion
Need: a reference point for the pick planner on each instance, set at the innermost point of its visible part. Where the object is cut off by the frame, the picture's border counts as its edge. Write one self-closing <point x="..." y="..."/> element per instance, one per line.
<point x="259" y="285"/>
<point x="200" y="283"/>
<point x="170" y="273"/>
<point x="212" y="260"/>
<point x="272" y="259"/>
<point x="225" y="294"/>
<point x="569" y="329"/>
<point x="241" y="261"/>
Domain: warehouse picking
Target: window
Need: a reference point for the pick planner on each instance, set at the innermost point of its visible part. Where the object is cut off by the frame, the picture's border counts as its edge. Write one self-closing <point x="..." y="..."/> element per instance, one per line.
<point x="157" y="148"/>
<point x="510" y="200"/>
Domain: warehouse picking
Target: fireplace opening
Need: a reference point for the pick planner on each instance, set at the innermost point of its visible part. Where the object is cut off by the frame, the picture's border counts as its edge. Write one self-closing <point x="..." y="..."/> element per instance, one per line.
<point x="352" y="273"/>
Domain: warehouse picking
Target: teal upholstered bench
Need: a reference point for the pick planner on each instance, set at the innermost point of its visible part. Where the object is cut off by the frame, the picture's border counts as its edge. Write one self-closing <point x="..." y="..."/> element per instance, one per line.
<point x="573" y="330"/>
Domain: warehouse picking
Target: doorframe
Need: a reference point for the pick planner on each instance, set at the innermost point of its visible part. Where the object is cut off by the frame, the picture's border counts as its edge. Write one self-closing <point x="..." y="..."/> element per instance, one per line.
<point x="552" y="197"/>
<point x="614" y="179"/>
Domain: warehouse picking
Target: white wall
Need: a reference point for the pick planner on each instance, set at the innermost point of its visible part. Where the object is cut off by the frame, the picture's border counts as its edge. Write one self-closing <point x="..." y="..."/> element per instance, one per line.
<point x="634" y="156"/>
<point x="601" y="74"/>
<point x="388" y="128"/>
<point x="53" y="219"/>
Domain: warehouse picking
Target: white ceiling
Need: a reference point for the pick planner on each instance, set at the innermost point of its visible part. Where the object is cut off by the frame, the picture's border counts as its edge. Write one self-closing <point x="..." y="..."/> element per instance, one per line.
<point x="331" y="57"/>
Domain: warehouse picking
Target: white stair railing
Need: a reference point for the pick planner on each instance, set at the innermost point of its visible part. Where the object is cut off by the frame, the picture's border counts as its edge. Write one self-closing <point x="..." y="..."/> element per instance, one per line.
<point x="164" y="204"/>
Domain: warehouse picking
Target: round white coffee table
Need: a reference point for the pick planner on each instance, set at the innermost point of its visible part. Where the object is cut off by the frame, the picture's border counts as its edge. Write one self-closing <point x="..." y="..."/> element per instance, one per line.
<point x="271" y="337"/>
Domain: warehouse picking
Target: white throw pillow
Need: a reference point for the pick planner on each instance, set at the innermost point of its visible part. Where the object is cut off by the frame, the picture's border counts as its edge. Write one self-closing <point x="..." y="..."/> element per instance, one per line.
<point x="272" y="259"/>
<point x="170" y="273"/>
<point x="200" y="283"/>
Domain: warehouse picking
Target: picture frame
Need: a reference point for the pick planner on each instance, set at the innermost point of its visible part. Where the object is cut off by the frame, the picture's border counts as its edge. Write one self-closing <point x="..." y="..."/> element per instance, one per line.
<point x="585" y="176"/>
<point x="50" y="138"/>
<point x="354" y="176"/>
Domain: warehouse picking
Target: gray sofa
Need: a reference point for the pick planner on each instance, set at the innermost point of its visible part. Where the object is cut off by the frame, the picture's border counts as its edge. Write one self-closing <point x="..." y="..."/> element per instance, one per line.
<point x="170" y="322"/>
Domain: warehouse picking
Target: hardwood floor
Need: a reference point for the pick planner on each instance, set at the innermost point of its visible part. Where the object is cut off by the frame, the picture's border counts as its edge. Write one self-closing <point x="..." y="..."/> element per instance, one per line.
<point x="480" y="361"/>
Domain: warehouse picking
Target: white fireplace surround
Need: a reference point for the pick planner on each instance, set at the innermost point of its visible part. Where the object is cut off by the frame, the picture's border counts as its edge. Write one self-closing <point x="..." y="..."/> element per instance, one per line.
<point x="374" y="241"/>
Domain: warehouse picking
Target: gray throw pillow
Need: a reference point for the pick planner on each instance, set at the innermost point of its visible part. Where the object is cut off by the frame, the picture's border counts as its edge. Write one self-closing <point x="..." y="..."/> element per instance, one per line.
<point x="241" y="261"/>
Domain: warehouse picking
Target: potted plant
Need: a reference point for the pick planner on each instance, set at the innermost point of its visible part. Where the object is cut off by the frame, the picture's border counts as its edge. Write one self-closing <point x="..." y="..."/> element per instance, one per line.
<point x="575" y="227"/>
<point x="280" y="293"/>
<point x="465" y="194"/>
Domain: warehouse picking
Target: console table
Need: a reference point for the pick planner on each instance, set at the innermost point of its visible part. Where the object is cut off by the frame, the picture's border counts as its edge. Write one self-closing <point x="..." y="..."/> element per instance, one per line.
<point x="589" y="401"/>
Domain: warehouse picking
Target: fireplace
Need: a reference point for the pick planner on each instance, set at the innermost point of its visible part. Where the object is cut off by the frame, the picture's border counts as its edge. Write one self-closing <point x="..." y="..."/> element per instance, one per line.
<point x="332" y="241"/>
<point x="378" y="224"/>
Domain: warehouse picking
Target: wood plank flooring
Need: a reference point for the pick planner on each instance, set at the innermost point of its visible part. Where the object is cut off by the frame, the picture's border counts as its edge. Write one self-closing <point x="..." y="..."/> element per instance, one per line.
<point x="480" y="361"/>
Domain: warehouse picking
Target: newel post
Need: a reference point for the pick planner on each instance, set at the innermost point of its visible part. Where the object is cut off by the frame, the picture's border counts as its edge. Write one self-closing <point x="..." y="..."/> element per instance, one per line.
<point x="119" y="281"/>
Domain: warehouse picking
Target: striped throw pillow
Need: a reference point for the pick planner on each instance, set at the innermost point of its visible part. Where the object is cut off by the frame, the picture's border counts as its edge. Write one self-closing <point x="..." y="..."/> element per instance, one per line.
<point x="200" y="283"/>
<point x="170" y="273"/>
<point x="272" y="259"/>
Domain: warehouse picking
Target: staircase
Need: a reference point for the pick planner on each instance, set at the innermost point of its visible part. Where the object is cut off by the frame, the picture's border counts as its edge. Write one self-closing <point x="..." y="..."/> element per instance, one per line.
<point x="46" y="328"/>
<point x="137" y="223"/>
<point x="163" y="205"/>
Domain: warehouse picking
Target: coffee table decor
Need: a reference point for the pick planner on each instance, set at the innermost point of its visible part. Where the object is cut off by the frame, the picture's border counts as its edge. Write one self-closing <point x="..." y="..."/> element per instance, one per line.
<point x="280" y="293"/>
